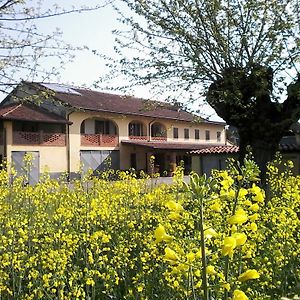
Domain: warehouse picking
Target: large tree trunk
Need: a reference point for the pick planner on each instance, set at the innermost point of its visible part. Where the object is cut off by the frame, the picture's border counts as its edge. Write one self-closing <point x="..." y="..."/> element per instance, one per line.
<point x="262" y="150"/>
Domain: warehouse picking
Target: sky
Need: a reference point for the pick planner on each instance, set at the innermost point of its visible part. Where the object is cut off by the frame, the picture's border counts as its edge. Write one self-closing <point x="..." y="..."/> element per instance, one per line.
<point x="94" y="30"/>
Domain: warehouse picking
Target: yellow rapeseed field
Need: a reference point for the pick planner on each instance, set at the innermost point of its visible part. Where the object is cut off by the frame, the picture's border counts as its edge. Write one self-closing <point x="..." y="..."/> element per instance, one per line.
<point x="217" y="238"/>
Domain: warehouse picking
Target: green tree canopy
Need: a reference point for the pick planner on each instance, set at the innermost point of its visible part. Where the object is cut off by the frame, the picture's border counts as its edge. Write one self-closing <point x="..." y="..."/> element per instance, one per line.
<point x="241" y="55"/>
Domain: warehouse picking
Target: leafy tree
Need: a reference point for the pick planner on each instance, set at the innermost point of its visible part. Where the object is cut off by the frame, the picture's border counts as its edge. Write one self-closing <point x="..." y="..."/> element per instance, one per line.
<point x="24" y="48"/>
<point x="241" y="55"/>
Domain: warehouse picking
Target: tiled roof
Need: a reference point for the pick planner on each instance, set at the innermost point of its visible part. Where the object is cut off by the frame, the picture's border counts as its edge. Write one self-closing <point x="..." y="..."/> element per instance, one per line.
<point x="164" y="145"/>
<point x="27" y="112"/>
<point x="97" y="101"/>
<point x="289" y="147"/>
<point x="224" y="149"/>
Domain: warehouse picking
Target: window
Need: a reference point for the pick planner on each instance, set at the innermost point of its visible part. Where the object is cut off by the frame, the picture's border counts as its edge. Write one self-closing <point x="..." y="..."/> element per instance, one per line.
<point x="158" y="130"/>
<point x="207" y="135"/>
<point x="175" y="132"/>
<point x="136" y="129"/>
<point x="197" y="134"/>
<point x="218" y="136"/>
<point x="105" y="127"/>
<point x="186" y="133"/>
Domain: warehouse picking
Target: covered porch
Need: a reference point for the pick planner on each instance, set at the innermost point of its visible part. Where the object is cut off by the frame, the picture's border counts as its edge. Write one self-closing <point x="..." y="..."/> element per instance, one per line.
<point x="159" y="156"/>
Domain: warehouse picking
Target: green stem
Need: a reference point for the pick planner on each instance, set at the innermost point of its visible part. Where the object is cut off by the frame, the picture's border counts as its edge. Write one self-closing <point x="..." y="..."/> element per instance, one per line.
<point x="203" y="254"/>
<point x="192" y="283"/>
<point x="227" y="260"/>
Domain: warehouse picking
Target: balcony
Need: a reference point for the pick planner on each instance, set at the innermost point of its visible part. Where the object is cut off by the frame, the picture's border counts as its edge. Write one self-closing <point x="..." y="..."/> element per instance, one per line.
<point x="99" y="140"/>
<point x="138" y="137"/>
<point x="39" y="138"/>
<point x="158" y="138"/>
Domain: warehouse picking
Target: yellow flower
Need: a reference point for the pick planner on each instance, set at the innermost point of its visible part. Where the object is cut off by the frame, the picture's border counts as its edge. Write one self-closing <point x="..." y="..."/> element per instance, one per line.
<point x="216" y="207"/>
<point x="197" y="273"/>
<point x="161" y="235"/>
<point x="210" y="270"/>
<point x="234" y="228"/>
<point x="247" y="202"/>
<point x="190" y="257"/>
<point x="242" y="193"/>
<point x="240" y="238"/>
<point x="259" y="194"/>
<point x="239" y="217"/>
<point x="174" y="216"/>
<point x="253" y="227"/>
<point x="227" y="181"/>
<point x="249" y="274"/>
<point x="253" y="217"/>
<point x="140" y="288"/>
<point x="90" y="281"/>
<point x="226" y="286"/>
<point x="172" y="205"/>
<point x="228" y="245"/>
<point x="209" y="232"/>
<point x="254" y="207"/>
<point x="170" y="255"/>
<point x="248" y="254"/>
<point x="239" y="295"/>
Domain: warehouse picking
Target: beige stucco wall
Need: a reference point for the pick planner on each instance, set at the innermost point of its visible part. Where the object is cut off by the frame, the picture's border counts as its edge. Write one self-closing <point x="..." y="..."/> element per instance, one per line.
<point x="213" y="128"/>
<point x="122" y="123"/>
<point x="140" y="157"/>
<point x="55" y="159"/>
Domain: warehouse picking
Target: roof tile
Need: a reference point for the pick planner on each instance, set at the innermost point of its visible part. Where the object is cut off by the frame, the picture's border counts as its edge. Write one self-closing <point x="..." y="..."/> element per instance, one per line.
<point x="223" y="149"/>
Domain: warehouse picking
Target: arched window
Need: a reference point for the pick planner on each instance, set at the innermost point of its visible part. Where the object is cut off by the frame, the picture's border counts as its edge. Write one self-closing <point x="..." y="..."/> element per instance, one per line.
<point x="105" y="127"/>
<point x="98" y="126"/>
<point x="158" y="130"/>
<point x="136" y="128"/>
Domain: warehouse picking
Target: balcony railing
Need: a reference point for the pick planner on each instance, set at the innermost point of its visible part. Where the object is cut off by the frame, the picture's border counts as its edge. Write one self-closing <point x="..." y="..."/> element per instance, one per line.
<point x="102" y="140"/>
<point x="138" y="137"/>
<point x="158" y="138"/>
<point x="39" y="138"/>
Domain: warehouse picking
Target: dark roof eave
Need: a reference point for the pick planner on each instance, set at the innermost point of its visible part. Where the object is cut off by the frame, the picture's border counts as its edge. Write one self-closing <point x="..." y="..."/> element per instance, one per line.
<point x="38" y="121"/>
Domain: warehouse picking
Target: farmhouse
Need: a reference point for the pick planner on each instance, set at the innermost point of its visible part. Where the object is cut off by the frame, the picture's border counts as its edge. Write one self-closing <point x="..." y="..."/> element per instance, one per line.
<point x="66" y="129"/>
